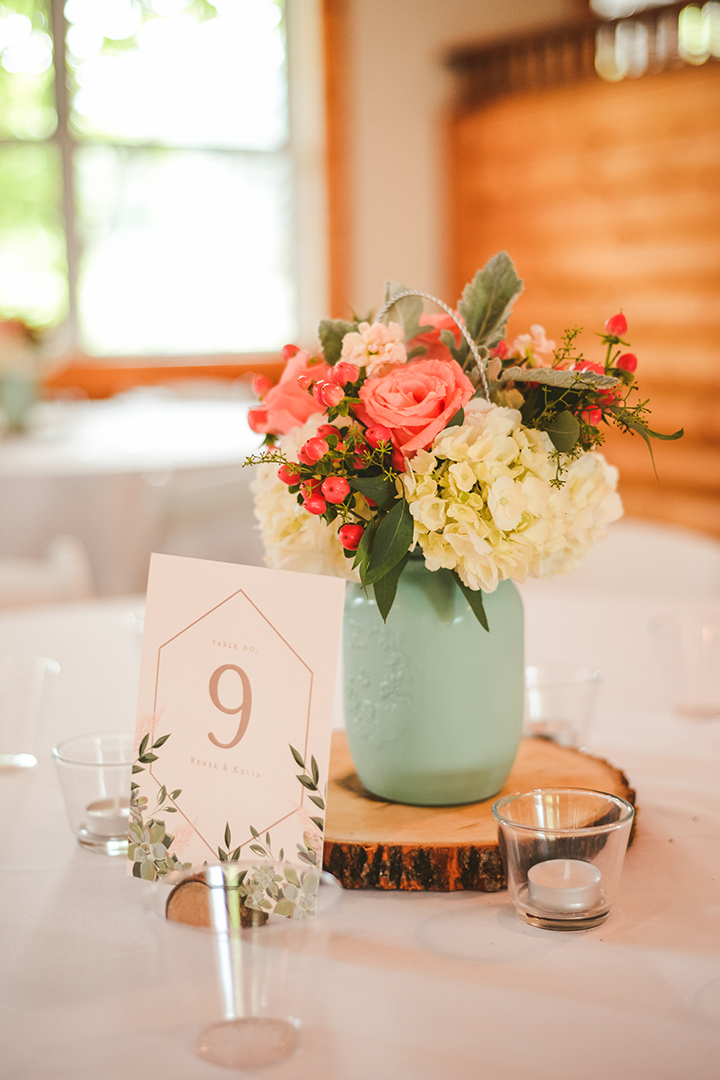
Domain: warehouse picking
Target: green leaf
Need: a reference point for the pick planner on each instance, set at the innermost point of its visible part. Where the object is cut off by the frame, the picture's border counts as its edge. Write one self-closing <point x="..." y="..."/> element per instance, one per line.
<point x="298" y="757"/>
<point x="408" y="311"/>
<point x="378" y="488"/>
<point x="364" y="551"/>
<point x="314" y="769"/>
<point x="148" y="872"/>
<point x="457" y="419"/>
<point x="257" y="849"/>
<point x="308" y="783"/>
<point x="157" y="833"/>
<point x="475" y="600"/>
<point x="147" y="759"/>
<point x="318" y="801"/>
<point x="488" y="299"/>
<point x="319" y="822"/>
<point x="174" y="794"/>
<point x="267" y="840"/>
<point x="171" y="810"/>
<point x="255" y="833"/>
<point x="448" y="339"/>
<point x="292" y="877"/>
<point x="137" y="768"/>
<point x="228" y="836"/>
<point x="330" y="334"/>
<point x="564" y="431"/>
<point x="644" y="432"/>
<point x="392" y="541"/>
<point x="285" y="907"/>
<point x="222" y="856"/>
<point x="558" y="377"/>
<point x="143" y="745"/>
<point x="385" y="587"/>
<point x="159" y="742"/>
<point x="162" y="794"/>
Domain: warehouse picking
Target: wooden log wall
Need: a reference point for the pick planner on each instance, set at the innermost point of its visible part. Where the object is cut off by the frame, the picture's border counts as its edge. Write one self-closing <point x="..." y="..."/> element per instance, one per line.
<point x="607" y="196"/>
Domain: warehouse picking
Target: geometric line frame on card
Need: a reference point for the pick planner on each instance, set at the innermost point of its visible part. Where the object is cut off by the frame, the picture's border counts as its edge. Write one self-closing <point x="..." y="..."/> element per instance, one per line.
<point x="238" y="592"/>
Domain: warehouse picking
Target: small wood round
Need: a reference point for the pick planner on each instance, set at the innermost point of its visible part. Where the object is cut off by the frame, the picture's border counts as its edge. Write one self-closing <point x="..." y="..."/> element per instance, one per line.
<point x="374" y="844"/>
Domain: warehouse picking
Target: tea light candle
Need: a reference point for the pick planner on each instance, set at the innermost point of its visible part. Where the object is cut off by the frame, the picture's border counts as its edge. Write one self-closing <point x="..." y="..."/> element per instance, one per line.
<point x="564" y="885"/>
<point x="108" y="817"/>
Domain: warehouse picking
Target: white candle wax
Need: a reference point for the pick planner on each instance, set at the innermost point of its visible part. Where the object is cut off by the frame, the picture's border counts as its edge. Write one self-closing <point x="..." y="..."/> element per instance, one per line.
<point x="564" y="885"/>
<point x="108" y="817"/>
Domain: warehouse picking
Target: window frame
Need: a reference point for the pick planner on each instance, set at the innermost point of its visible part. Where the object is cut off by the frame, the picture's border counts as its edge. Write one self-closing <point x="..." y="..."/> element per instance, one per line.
<point x="100" y="376"/>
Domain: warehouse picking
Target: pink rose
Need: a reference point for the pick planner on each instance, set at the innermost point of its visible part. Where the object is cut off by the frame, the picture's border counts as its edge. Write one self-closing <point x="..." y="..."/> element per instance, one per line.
<point x="416" y="401"/>
<point x="287" y="405"/>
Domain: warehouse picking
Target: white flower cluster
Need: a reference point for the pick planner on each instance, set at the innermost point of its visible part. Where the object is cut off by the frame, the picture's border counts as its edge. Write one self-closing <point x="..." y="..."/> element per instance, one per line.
<point x="294" y="539"/>
<point x="376" y="347"/>
<point x="484" y="506"/>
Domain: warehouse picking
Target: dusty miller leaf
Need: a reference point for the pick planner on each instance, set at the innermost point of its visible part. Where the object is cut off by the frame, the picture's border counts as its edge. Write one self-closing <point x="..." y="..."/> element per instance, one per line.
<point x="488" y="299"/>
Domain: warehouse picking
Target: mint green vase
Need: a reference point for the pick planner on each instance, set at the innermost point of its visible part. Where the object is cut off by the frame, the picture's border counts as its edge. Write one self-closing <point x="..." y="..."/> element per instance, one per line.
<point x="433" y="703"/>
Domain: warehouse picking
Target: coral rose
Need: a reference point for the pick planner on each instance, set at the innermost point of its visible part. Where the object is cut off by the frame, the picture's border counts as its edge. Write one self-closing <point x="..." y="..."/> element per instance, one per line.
<point x="431" y="338"/>
<point x="287" y="405"/>
<point x="417" y="401"/>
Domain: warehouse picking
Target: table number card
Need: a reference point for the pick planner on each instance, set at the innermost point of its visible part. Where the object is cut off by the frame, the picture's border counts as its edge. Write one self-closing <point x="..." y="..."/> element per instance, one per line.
<point x="234" y="715"/>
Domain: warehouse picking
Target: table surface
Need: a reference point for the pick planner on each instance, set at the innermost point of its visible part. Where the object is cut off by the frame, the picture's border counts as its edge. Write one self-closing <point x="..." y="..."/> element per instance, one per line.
<point x="418" y="985"/>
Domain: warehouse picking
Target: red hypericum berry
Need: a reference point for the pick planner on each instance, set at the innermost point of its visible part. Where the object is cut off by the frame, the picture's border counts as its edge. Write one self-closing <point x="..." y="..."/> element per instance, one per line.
<point x="350" y="536"/>
<point x="310" y="487"/>
<point x="326" y="429"/>
<point x="317" y="391"/>
<point x="378" y="434"/>
<point x="305" y="381"/>
<point x="331" y="394"/>
<point x="628" y="361"/>
<point x="590" y="365"/>
<point x="305" y="457"/>
<point x="315" y="504"/>
<point x="315" y="449"/>
<point x="616" y="325"/>
<point x="335" y="489"/>
<point x="500" y="350"/>
<point x="607" y="399"/>
<point x="288" y="474"/>
<point x="290" y="350"/>
<point x="261" y="385"/>
<point x="398" y="460"/>
<point x="371" y="502"/>
<point x="592" y="416"/>
<point x="344" y="373"/>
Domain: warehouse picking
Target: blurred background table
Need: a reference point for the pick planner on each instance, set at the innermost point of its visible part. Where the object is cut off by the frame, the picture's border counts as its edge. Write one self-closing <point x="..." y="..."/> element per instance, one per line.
<point x="144" y="471"/>
<point x="419" y="985"/>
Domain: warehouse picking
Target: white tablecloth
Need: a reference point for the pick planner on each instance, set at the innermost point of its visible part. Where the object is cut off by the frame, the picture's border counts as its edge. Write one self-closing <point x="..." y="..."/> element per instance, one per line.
<point x="138" y="473"/>
<point x="419" y="986"/>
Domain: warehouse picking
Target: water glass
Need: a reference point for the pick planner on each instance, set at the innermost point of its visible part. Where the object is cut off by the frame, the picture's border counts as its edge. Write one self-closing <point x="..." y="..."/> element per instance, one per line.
<point x="244" y="944"/>
<point x="23" y="687"/>
<point x="559" y="702"/>
<point x="563" y="851"/>
<point x="687" y="646"/>
<point x="95" y="774"/>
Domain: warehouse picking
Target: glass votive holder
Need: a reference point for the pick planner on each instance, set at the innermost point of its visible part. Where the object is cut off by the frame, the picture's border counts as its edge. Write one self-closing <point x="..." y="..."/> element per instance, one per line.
<point x="23" y="686"/>
<point x="95" y="773"/>
<point x="687" y="648"/>
<point x="563" y="851"/>
<point x="559" y="702"/>
<point x="244" y="944"/>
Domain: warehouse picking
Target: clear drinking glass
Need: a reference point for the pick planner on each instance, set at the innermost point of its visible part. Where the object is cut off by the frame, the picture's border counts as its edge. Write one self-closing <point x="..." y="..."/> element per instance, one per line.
<point x="559" y="702"/>
<point x="244" y="943"/>
<point x="563" y="851"/>
<point x="687" y="646"/>
<point x="95" y="774"/>
<point x="23" y="684"/>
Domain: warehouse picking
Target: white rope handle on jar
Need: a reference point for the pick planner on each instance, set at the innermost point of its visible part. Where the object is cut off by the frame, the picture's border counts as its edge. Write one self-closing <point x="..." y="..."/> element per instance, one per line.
<point x="456" y="319"/>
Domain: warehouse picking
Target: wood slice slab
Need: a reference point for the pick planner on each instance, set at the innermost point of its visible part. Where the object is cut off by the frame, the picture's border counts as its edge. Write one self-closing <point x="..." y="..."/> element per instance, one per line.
<point x="374" y="844"/>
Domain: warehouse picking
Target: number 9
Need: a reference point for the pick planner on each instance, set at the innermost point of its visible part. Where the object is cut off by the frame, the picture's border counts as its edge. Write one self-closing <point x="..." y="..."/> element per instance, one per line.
<point x="243" y="708"/>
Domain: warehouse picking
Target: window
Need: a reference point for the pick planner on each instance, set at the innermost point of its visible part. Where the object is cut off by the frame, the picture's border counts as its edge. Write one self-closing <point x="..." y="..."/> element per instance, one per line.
<point x="148" y="181"/>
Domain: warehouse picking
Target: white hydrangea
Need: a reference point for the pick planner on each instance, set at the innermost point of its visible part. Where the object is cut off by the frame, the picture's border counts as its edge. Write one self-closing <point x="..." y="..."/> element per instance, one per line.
<point x="294" y="539"/>
<point x="484" y="506"/>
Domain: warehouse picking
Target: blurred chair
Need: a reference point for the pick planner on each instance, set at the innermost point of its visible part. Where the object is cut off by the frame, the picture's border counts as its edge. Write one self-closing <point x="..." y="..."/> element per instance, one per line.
<point x="64" y="574"/>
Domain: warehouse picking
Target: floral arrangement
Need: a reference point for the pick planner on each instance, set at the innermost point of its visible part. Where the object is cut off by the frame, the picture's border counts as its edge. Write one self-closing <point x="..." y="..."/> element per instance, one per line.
<point x="20" y="370"/>
<point x="433" y="436"/>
